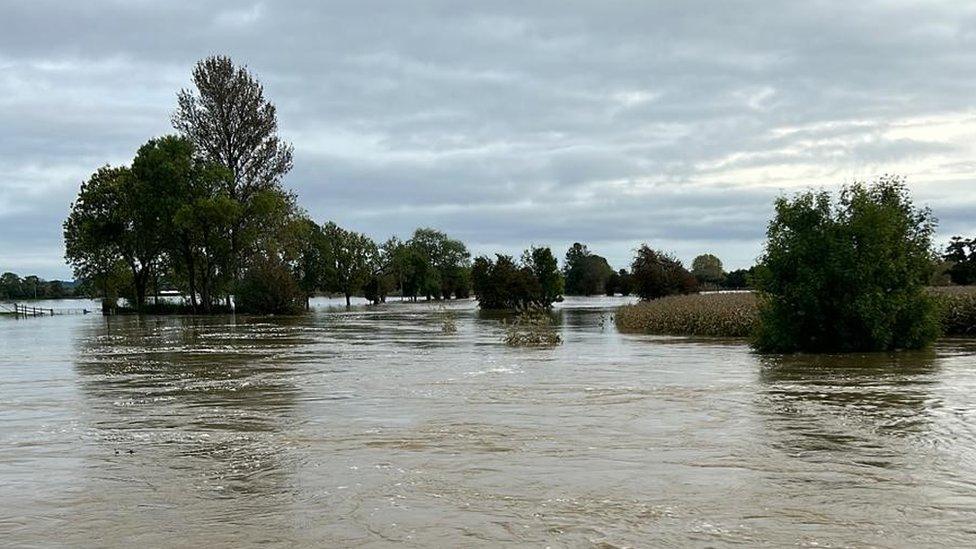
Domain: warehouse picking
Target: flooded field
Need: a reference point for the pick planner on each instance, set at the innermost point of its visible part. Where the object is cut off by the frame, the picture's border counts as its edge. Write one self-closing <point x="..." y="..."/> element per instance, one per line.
<point x="371" y="426"/>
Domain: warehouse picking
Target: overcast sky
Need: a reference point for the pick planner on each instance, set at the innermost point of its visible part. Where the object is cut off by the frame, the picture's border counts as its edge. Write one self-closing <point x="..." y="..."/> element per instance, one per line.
<point x="510" y="123"/>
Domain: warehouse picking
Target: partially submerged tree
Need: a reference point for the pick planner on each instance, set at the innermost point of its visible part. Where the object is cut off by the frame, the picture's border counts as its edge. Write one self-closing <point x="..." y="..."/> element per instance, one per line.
<point x="584" y="272"/>
<point x="658" y="274"/>
<point x="231" y="123"/>
<point x="105" y="230"/>
<point x="505" y="284"/>
<point x="352" y="260"/>
<point x="848" y="276"/>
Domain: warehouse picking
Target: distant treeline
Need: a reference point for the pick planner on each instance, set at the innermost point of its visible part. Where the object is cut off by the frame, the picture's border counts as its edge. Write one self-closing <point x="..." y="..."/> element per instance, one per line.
<point x="12" y="286"/>
<point x="203" y="212"/>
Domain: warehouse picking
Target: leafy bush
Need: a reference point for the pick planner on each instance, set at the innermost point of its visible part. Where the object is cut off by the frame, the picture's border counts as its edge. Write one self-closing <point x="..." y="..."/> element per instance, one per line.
<point x="268" y="287"/>
<point x="657" y="274"/>
<point x="850" y="276"/>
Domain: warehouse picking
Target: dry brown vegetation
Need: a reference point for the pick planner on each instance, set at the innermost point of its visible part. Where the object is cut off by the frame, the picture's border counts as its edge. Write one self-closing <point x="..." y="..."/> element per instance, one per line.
<point x="957" y="306"/>
<point x="531" y="329"/>
<point x="736" y="314"/>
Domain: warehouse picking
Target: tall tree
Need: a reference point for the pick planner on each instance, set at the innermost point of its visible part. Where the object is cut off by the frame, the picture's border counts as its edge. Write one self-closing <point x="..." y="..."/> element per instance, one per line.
<point x="231" y="123"/>
<point x="707" y="268"/>
<point x="352" y="259"/>
<point x="107" y="227"/>
<point x="545" y="268"/>
<point x="657" y="274"/>
<point x="961" y="255"/>
<point x="585" y="273"/>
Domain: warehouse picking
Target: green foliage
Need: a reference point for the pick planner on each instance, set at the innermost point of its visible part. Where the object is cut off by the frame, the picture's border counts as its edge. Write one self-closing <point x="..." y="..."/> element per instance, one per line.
<point x="619" y="283"/>
<point x="93" y="232"/>
<point x="738" y="279"/>
<point x="545" y="270"/>
<point x="849" y="277"/>
<point x="585" y="273"/>
<point x="351" y="259"/>
<point x="960" y="255"/>
<point x="268" y="287"/>
<point x="708" y="269"/>
<point x="504" y="284"/>
<point x="13" y="286"/>
<point x="435" y="266"/>
<point x="659" y="274"/>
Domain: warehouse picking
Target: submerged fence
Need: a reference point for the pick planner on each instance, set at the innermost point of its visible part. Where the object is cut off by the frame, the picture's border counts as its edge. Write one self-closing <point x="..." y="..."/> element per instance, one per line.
<point x="18" y="310"/>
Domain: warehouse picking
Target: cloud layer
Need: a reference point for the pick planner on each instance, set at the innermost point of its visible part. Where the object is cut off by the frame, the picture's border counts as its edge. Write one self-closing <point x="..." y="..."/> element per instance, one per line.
<point x="510" y="123"/>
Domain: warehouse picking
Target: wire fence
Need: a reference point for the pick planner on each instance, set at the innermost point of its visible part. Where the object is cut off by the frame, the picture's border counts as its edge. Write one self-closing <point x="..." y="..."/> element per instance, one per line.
<point x="18" y="310"/>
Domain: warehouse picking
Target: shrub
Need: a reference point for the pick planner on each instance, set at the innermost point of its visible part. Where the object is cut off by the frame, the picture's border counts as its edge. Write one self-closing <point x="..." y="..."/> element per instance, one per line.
<point x="847" y="277"/>
<point x="532" y="328"/>
<point x="657" y="274"/>
<point x="268" y="287"/>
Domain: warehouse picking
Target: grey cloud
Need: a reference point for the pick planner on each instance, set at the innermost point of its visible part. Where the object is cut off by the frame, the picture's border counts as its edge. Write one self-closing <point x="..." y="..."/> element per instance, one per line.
<point x="506" y="123"/>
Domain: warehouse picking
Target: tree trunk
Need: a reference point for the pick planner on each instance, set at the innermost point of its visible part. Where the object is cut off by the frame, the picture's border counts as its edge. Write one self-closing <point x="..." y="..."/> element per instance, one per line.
<point x="348" y="303"/>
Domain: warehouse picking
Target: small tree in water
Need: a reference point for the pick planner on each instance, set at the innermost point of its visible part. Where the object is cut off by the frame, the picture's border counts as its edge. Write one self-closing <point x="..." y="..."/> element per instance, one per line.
<point x="850" y="276"/>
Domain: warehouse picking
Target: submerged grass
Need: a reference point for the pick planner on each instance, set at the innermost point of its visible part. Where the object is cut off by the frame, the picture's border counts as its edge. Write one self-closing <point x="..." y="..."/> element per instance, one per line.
<point x="736" y="314"/>
<point x="531" y="329"/>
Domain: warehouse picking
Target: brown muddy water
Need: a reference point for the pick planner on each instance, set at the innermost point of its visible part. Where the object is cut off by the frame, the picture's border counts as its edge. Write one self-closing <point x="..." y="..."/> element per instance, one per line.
<point x="371" y="427"/>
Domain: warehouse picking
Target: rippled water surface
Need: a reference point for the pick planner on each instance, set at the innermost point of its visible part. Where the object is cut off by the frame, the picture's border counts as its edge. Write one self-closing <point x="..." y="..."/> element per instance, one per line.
<point x="371" y="426"/>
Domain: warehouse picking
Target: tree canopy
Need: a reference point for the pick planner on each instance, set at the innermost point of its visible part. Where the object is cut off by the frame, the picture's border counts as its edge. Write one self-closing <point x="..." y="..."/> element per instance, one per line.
<point x="847" y="276"/>
<point x="658" y="274"/>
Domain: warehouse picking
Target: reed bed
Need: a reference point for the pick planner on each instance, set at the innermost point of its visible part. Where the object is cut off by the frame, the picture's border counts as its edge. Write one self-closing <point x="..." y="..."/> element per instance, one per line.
<point x="736" y="314"/>
<point x="714" y="315"/>
<point x="957" y="305"/>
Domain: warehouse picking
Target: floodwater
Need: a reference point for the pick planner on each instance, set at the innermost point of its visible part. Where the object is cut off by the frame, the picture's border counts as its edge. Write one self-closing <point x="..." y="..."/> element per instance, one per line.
<point x="371" y="427"/>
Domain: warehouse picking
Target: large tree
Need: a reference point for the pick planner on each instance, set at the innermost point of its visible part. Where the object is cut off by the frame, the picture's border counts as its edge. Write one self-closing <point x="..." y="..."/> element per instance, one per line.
<point x="847" y="276"/>
<point x="541" y="261"/>
<point x="352" y="258"/>
<point x="585" y="273"/>
<point x="708" y="269"/>
<point x="110" y="225"/>
<point x="231" y="123"/>
<point x="960" y="254"/>
<point x="657" y="274"/>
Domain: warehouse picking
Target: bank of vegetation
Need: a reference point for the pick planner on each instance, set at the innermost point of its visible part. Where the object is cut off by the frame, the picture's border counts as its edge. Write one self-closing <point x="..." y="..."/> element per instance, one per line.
<point x="855" y="273"/>
<point x="13" y="287"/>
<point x="736" y="314"/>
<point x="203" y="214"/>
